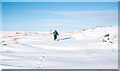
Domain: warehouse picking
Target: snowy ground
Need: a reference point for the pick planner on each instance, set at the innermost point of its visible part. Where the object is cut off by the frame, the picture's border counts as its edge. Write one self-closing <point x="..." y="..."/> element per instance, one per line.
<point x="95" y="48"/>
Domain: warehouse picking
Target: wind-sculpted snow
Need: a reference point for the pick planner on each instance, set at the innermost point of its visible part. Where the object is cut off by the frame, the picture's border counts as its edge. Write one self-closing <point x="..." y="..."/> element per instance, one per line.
<point x="95" y="48"/>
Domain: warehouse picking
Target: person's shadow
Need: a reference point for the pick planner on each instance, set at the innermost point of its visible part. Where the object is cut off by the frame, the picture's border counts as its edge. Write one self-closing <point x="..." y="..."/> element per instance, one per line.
<point x="64" y="38"/>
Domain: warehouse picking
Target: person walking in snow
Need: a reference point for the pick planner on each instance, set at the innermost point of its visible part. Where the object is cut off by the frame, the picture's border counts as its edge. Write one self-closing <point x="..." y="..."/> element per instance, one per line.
<point x="55" y="34"/>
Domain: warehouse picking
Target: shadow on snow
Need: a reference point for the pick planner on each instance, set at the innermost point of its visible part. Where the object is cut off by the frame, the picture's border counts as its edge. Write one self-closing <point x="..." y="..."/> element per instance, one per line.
<point x="64" y="38"/>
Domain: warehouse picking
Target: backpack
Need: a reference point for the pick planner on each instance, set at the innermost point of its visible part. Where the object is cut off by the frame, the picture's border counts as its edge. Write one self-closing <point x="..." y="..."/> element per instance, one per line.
<point x="55" y="33"/>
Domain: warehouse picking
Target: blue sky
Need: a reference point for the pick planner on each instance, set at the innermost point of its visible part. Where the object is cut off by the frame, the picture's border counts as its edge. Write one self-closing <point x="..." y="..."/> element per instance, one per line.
<point x="60" y="0"/>
<point x="0" y="16"/>
<point x="63" y="16"/>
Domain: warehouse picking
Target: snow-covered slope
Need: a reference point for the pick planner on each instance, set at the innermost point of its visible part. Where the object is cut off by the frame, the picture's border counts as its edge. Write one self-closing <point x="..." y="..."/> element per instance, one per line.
<point x="95" y="48"/>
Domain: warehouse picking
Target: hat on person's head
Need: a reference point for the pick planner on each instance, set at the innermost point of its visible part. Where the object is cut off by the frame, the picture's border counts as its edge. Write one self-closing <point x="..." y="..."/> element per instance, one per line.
<point x="55" y="30"/>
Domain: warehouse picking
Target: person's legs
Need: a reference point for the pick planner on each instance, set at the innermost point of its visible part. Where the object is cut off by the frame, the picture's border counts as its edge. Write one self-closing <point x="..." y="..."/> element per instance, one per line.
<point x="55" y="37"/>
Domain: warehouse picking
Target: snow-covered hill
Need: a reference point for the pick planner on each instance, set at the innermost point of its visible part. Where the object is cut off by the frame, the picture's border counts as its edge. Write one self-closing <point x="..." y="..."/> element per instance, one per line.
<point x="95" y="48"/>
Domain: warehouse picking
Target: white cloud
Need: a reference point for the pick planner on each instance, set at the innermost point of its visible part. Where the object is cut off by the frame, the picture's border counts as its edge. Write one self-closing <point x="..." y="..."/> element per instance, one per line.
<point x="86" y="13"/>
<point x="108" y="16"/>
<point x="100" y="14"/>
<point x="105" y="16"/>
<point x="40" y="11"/>
<point x="78" y="13"/>
<point x="59" y="21"/>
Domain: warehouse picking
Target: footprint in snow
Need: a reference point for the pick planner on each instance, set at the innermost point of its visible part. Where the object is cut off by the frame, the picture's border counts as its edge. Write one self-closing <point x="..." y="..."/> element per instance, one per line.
<point x="38" y="65"/>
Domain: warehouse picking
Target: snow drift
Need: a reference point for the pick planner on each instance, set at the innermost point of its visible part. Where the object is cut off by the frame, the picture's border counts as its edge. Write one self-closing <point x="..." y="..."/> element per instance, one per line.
<point x="95" y="48"/>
